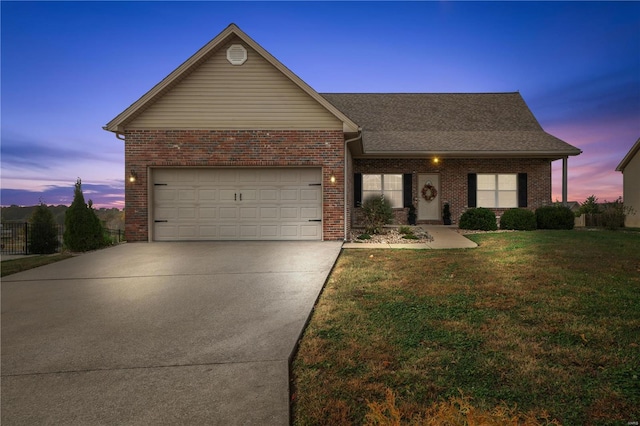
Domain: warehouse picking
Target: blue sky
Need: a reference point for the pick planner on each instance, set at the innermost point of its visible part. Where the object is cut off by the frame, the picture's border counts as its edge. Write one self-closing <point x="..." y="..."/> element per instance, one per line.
<point x="67" y="68"/>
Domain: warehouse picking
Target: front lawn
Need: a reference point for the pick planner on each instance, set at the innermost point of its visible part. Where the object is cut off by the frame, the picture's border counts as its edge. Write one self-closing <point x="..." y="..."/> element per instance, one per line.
<point x="13" y="266"/>
<point x="528" y="323"/>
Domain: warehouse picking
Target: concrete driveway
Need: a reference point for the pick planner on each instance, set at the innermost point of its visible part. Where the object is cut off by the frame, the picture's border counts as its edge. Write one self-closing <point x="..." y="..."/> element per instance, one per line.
<point x="160" y="333"/>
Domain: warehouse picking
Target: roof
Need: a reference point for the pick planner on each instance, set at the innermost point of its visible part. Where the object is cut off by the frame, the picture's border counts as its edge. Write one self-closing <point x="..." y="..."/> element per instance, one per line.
<point x="627" y="158"/>
<point x="118" y="124"/>
<point x="449" y="124"/>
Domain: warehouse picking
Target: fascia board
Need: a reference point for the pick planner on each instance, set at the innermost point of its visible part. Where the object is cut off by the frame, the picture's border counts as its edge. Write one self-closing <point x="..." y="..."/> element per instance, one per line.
<point x="469" y="154"/>
<point x="627" y="158"/>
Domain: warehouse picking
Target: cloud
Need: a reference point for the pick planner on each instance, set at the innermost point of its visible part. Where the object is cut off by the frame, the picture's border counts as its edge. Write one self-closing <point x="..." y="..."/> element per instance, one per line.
<point x="25" y="153"/>
<point x="102" y="195"/>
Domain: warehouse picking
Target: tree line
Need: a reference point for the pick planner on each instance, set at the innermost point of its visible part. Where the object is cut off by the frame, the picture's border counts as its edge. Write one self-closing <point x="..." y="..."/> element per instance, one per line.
<point x="83" y="228"/>
<point x="112" y="218"/>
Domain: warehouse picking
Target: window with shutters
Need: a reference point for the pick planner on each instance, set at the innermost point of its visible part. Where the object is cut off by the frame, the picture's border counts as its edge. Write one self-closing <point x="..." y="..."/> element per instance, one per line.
<point x="497" y="190"/>
<point x="389" y="186"/>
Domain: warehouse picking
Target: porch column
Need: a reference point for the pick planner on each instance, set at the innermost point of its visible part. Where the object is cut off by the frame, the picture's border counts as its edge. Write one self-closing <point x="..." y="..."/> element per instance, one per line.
<point x="564" y="180"/>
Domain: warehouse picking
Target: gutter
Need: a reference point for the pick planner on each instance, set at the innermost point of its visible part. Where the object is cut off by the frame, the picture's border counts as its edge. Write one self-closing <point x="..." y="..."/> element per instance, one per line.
<point x="115" y="132"/>
<point x="346" y="189"/>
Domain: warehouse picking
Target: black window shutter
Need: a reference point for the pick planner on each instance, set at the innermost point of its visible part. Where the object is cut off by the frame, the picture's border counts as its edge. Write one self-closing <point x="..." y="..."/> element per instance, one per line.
<point x="357" y="189"/>
<point x="522" y="190"/>
<point x="472" y="185"/>
<point x="407" y="184"/>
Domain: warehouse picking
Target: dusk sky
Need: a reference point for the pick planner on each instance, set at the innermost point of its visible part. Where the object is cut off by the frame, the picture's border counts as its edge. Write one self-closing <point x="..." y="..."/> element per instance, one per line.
<point x="67" y="68"/>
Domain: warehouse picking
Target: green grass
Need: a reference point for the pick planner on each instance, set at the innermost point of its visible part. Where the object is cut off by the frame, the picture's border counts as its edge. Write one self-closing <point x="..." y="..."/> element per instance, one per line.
<point x="13" y="266"/>
<point x="548" y="321"/>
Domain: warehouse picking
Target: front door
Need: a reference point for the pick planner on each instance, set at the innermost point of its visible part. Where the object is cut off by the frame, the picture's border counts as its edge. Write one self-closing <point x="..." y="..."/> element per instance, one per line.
<point x="429" y="197"/>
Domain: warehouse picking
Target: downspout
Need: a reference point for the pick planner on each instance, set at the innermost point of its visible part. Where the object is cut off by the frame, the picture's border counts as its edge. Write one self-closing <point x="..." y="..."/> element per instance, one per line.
<point x="119" y="136"/>
<point x="346" y="193"/>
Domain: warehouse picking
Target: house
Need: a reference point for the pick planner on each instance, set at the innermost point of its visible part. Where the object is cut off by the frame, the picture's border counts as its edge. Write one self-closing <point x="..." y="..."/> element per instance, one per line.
<point x="233" y="145"/>
<point x="630" y="168"/>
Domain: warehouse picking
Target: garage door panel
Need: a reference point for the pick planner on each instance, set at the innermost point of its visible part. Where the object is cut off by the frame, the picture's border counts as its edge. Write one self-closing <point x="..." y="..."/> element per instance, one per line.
<point x="186" y="195"/>
<point x="249" y="232"/>
<point x="268" y="195"/>
<point x="248" y="213"/>
<point x="310" y="176"/>
<point x="163" y="213"/>
<point x="228" y="213"/>
<point x="187" y="232"/>
<point x="186" y="213"/>
<point x="289" y="195"/>
<point x="268" y="231"/>
<point x="187" y="175"/>
<point x="289" y="231"/>
<point x="310" y="194"/>
<point x="269" y="176"/>
<point x="208" y="213"/>
<point x="289" y="213"/>
<point x="208" y="232"/>
<point x="309" y="213"/>
<point x="247" y="195"/>
<point x="309" y="231"/>
<point x="165" y="194"/>
<point x="205" y="195"/>
<point x="231" y="204"/>
<point x="227" y="195"/>
<point x="268" y="213"/>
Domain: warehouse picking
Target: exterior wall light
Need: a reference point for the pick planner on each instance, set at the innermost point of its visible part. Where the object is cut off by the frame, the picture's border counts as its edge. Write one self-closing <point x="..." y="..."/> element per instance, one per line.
<point x="332" y="179"/>
<point x="436" y="160"/>
<point x="133" y="176"/>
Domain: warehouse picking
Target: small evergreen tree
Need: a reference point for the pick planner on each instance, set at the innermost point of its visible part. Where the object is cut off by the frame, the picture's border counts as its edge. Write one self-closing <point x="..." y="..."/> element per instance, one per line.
<point x="590" y="206"/>
<point x="83" y="230"/>
<point x="43" y="236"/>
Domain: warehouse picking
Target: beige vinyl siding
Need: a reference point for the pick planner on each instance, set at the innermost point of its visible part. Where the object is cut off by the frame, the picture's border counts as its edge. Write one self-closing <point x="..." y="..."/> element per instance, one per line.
<point x="218" y="95"/>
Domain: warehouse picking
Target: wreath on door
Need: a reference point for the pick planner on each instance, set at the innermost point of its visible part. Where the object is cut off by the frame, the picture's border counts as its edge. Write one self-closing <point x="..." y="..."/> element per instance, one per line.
<point x="429" y="192"/>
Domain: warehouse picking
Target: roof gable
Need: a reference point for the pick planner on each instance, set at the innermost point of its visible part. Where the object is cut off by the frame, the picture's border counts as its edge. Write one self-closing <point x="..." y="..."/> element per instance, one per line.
<point x="161" y="102"/>
<point x="630" y="155"/>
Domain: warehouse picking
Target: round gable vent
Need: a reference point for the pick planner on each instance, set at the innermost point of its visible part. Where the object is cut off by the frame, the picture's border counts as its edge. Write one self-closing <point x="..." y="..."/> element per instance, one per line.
<point x="236" y="54"/>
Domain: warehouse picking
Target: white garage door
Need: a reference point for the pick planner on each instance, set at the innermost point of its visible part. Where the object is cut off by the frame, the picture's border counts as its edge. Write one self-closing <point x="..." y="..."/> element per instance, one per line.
<point x="237" y="204"/>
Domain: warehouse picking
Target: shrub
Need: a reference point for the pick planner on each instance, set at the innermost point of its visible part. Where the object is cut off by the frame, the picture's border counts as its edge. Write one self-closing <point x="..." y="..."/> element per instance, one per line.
<point x="377" y="213"/>
<point x="614" y="213"/>
<point x="479" y="218"/>
<point x="43" y="237"/>
<point x="364" y="237"/>
<point x="518" y="219"/>
<point x="83" y="230"/>
<point x="405" y="230"/>
<point x="555" y="217"/>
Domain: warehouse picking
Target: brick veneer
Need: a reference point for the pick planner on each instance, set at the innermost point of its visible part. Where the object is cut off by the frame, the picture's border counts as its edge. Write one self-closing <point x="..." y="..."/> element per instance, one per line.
<point x="453" y="179"/>
<point x="146" y="149"/>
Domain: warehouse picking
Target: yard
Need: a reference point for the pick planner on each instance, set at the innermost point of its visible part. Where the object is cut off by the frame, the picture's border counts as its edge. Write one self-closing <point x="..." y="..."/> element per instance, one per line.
<point x="534" y="325"/>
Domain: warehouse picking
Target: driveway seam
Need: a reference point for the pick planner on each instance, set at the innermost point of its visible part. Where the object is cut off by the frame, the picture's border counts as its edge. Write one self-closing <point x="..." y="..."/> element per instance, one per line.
<point x="91" y="370"/>
<point x="4" y="279"/>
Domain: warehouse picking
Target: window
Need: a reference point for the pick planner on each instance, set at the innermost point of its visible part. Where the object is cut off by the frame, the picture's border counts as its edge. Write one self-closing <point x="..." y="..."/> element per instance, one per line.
<point x="388" y="186"/>
<point x="497" y="190"/>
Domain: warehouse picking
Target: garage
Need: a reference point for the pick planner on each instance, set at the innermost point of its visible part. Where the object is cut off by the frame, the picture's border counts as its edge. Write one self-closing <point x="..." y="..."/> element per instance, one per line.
<point x="236" y="204"/>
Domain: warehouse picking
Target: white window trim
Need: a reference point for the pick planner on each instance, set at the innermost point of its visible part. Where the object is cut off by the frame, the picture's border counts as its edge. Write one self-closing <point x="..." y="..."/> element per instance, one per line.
<point x="382" y="190"/>
<point x="497" y="191"/>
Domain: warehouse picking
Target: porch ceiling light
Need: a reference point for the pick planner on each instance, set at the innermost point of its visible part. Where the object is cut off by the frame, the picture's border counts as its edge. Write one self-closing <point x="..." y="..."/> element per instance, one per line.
<point x="436" y="160"/>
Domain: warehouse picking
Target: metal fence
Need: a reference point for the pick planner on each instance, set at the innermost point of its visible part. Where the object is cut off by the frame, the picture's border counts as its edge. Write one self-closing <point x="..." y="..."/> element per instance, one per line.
<point x="15" y="237"/>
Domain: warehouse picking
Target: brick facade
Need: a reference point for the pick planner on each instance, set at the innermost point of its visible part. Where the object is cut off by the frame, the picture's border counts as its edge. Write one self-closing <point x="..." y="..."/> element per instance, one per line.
<point x="453" y="179"/>
<point x="146" y="149"/>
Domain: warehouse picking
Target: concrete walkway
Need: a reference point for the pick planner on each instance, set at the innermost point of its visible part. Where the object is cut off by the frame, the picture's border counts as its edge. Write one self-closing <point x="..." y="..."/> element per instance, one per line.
<point x="161" y="333"/>
<point x="444" y="237"/>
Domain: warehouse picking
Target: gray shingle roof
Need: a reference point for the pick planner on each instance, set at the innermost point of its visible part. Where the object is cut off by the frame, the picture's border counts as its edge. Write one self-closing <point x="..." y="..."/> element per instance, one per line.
<point x="452" y="124"/>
